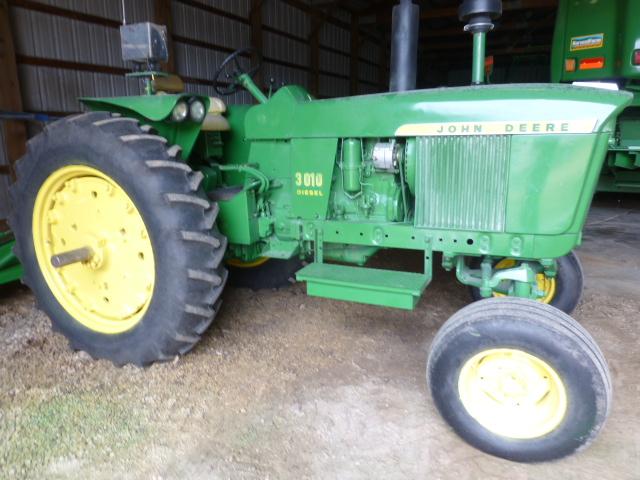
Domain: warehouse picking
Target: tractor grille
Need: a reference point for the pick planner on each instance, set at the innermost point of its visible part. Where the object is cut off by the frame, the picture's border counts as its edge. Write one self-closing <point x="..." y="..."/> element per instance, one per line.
<point x="461" y="182"/>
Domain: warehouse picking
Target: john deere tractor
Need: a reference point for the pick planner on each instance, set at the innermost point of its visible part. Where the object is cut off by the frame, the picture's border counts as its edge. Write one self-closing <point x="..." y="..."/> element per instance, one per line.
<point x="599" y="43"/>
<point x="126" y="217"/>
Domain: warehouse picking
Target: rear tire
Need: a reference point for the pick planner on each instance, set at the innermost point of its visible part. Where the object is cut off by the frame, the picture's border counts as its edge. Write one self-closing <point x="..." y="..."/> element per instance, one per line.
<point x="569" y="284"/>
<point x="178" y="218"/>
<point x="519" y="415"/>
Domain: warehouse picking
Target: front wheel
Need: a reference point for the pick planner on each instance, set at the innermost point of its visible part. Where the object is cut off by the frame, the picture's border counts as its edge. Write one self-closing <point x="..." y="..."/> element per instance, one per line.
<point x="563" y="291"/>
<point x="519" y="379"/>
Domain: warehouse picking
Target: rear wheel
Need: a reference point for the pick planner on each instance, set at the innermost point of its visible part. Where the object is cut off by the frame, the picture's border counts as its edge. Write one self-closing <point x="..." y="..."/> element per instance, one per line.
<point x="117" y="239"/>
<point x="563" y="291"/>
<point x="519" y="379"/>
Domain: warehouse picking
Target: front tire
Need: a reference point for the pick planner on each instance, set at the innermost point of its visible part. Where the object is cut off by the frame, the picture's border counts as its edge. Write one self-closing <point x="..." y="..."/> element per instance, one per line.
<point x="519" y="379"/>
<point x="152" y="285"/>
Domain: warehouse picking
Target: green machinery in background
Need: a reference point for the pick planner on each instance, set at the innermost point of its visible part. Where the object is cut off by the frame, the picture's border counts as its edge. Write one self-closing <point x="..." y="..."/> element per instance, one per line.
<point x="600" y="42"/>
<point x="127" y="220"/>
<point x="10" y="268"/>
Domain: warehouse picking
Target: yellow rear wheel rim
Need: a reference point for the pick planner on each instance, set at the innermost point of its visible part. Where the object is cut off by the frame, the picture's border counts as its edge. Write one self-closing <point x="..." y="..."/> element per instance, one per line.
<point x="545" y="284"/>
<point x="236" y="262"/>
<point x="512" y="393"/>
<point x="79" y="206"/>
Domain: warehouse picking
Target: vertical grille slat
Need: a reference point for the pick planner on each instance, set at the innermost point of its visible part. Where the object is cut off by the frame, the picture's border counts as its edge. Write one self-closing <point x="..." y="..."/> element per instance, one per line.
<point x="461" y="182"/>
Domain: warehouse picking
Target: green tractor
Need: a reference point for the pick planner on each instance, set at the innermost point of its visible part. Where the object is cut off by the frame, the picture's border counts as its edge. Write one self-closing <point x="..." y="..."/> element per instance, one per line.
<point x="598" y="44"/>
<point x="127" y="217"/>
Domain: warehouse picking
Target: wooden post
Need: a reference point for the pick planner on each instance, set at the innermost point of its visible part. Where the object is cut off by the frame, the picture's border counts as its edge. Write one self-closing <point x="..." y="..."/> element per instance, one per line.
<point x="162" y="16"/>
<point x="255" y="21"/>
<point x="10" y="96"/>
<point x="314" y="54"/>
<point x="354" y="71"/>
<point x="384" y="49"/>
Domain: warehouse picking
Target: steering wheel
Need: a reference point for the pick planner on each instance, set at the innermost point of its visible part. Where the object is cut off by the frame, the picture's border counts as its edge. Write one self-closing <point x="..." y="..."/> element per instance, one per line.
<point x="232" y="69"/>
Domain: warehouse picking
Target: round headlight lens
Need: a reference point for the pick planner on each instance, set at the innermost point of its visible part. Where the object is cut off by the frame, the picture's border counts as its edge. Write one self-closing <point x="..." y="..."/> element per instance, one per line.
<point x="180" y="112"/>
<point x="197" y="111"/>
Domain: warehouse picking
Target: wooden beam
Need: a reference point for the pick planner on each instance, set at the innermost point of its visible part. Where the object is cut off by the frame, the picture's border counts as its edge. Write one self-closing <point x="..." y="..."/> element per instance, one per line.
<point x="58" y="11"/>
<point x="162" y="16"/>
<point x="10" y="95"/>
<point x="314" y="54"/>
<point x="354" y="70"/>
<point x="255" y="22"/>
<point x="383" y="65"/>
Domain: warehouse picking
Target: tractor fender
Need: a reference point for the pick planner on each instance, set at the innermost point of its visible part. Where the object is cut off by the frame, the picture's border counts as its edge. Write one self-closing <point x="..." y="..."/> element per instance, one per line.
<point x="155" y="110"/>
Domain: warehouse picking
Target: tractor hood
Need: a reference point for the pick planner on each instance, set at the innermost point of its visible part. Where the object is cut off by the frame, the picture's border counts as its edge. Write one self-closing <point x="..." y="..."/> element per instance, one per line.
<point x="493" y="109"/>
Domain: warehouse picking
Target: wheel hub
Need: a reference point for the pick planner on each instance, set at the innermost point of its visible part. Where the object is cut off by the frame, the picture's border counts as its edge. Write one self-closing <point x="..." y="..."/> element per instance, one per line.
<point x="80" y="207"/>
<point x="546" y="285"/>
<point x="512" y="393"/>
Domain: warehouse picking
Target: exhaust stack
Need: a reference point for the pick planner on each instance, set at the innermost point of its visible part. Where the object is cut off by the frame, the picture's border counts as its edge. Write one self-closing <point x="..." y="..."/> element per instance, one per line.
<point x="479" y="15"/>
<point x="404" y="46"/>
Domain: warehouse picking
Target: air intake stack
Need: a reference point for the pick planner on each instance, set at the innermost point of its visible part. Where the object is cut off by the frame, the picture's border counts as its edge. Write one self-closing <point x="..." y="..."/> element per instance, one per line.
<point x="479" y="15"/>
<point x="404" y="46"/>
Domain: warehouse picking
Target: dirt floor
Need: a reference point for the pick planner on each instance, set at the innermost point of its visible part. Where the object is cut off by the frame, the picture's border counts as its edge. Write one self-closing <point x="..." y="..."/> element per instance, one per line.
<point x="288" y="386"/>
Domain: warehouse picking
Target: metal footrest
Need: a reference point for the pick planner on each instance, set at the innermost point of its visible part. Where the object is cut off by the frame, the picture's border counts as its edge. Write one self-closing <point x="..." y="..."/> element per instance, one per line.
<point x="365" y="285"/>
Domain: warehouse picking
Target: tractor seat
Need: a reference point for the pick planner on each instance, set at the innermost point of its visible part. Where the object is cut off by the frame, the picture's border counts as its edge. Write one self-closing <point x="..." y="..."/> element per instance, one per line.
<point x="214" y="121"/>
<point x="168" y="84"/>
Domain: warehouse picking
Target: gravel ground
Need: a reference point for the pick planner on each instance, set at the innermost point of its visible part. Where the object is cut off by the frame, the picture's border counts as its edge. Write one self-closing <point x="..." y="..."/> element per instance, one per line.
<point x="289" y="386"/>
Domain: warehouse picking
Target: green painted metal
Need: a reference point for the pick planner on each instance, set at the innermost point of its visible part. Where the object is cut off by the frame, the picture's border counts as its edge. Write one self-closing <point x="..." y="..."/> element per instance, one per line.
<point x="479" y="53"/>
<point x="252" y="88"/>
<point x="518" y="281"/>
<point x="607" y="30"/>
<point x="10" y="268"/>
<point x="155" y="110"/>
<point x="351" y="165"/>
<point x="364" y="285"/>
<point x="291" y="112"/>
<point x="487" y="171"/>
<point x="457" y="186"/>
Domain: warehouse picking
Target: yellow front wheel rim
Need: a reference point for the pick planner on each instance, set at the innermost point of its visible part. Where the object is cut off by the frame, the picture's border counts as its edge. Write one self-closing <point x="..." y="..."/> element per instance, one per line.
<point x="512" y="393"/>
<point x="545" y="284"/>
<point x="76" y="207"/>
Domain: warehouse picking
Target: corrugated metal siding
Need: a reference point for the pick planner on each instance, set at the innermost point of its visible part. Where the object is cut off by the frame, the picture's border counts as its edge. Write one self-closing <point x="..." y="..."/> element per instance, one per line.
<point x="461" y="182"/>
<point x="137" y="10"/>
<point x="43" y="37"/>
<point x="283" y="16"/>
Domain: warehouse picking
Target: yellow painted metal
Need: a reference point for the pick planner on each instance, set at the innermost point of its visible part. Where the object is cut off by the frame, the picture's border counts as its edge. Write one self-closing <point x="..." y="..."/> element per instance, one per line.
<point x="236" y="262"/>
<point x="512" y="393"/>
<point x="545" y="284"/>
<point x="79" y="206"/>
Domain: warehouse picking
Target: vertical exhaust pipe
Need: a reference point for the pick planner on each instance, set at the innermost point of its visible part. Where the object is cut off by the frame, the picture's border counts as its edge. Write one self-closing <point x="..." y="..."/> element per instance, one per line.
<point x="404" y="46"/>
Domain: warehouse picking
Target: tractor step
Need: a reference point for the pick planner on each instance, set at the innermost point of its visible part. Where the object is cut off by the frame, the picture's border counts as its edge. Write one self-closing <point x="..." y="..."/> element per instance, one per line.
<point x="365" y="285"/>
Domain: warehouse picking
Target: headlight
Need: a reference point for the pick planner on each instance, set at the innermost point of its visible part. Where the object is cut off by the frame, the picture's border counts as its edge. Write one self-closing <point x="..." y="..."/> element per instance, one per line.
<point x="197" y="111"/>
<point x="180" y="112"/>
